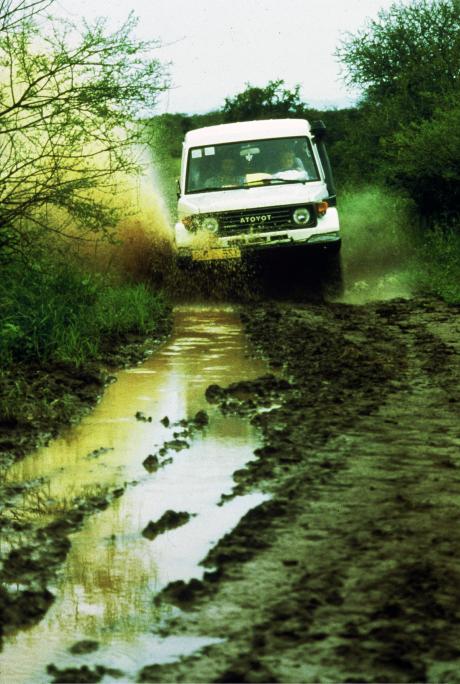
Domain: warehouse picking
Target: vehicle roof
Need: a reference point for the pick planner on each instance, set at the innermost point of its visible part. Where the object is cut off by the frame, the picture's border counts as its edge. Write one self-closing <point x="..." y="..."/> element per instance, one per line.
<point x="247" y="130"/>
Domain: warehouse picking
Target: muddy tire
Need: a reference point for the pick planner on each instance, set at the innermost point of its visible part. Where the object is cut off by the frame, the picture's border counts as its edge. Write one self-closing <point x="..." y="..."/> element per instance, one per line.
<point x="331" y="275"/>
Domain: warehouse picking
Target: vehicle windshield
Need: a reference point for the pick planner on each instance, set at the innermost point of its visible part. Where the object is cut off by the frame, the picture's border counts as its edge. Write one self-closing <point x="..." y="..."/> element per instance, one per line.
<point x="245" y="164"/>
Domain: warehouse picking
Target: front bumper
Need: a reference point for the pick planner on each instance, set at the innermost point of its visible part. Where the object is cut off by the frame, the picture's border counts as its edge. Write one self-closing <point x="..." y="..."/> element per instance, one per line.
<point x="325" y="234"/>
<point x="329" y="242"/>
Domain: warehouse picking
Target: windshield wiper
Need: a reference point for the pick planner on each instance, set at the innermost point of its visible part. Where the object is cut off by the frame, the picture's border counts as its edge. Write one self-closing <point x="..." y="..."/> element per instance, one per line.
<point x="273" y="181"/>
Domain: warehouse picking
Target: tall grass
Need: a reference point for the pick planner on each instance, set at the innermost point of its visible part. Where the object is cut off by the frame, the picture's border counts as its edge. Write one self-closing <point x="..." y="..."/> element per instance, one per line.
<point x="55" y="311"/>
<point x="437" y="267"/>
<point x="387" y="253"/>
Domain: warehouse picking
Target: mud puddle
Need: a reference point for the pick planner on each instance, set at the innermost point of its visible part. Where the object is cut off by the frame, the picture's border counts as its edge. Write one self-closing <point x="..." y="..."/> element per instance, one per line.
<point x="105" y="591"/>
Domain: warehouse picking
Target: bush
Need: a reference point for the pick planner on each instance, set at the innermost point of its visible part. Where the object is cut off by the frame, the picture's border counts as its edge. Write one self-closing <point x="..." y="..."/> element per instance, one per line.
<point x="51" y="311"/>
<point x="423" y="159"/>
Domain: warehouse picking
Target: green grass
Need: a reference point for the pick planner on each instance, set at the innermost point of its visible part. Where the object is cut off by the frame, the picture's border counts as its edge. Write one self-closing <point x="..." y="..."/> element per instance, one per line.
<point x="436" y="270"/>
<point x="54" y="311"/>
<point x="385" y="246"/>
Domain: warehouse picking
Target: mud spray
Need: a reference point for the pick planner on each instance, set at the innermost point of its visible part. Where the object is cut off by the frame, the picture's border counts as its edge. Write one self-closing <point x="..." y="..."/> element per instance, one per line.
<point x="378" y="245"/>
<point x="140" y="249"/>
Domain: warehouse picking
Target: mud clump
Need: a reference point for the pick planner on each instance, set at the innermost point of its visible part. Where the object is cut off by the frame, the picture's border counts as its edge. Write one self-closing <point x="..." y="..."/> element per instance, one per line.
<point x="81" y="675"/>
<point x="201" y="419"/>
<point x="248" y="395"/>
<point x="168" y="521"/>
<point x="22" y="608"/>
<point x="176" y="444"/>
<point x="151" y="463"/>
<point x="182" y="593"/>
<point x="142" y="418"/>
<point x="84" y="646"/>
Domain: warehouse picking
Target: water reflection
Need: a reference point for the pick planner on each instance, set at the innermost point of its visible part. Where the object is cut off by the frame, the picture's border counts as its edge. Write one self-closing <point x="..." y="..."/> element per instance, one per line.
<point x="112" y="572"/>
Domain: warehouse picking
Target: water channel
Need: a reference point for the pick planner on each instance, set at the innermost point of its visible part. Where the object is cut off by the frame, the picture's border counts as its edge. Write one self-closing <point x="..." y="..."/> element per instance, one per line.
<point x="106" y="587"/>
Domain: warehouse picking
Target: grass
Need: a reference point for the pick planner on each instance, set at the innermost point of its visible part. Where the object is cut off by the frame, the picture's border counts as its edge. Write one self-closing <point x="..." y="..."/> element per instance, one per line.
<point x="52" y="311"/>
<point x="437" y="267"/>
<point x="387" y="253"/>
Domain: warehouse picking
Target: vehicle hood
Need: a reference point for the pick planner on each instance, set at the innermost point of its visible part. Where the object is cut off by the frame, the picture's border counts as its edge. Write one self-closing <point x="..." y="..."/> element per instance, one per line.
<point x="252" y="198"/>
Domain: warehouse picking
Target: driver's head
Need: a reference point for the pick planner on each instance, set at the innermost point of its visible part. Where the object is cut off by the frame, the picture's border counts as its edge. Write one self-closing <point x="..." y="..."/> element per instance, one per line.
<point x="286" y="158"/>
<point x="227" y="165"/>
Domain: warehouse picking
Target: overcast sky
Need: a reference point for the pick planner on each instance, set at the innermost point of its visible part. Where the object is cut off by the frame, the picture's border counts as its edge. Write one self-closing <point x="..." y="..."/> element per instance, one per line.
<point x="216" y="46"/>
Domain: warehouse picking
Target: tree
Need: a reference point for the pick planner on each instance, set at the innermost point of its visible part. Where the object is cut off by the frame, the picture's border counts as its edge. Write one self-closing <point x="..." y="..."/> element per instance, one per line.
<point x="69" y="106"/>
<point x="406" y="61"/>
<point x="272" y="101"/>
<point x="423" y="158"/>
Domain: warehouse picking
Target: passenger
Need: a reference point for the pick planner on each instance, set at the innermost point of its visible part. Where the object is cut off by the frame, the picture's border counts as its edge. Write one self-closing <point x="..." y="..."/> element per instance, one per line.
<point x="287" y="161"/>
<point x="227" y="174"/>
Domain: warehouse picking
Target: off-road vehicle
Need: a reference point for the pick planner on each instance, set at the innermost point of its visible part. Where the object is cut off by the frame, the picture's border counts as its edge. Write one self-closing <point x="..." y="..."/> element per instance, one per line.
<point x="255" y="186"/>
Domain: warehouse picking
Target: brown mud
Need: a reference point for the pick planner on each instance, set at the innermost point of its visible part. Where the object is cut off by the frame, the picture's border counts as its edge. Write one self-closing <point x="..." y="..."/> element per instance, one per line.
<point x="350" y="571"/>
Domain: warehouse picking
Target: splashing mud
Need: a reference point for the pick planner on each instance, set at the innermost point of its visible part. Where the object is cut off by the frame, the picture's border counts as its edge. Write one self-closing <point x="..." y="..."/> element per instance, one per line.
<point x="142" y="244"/>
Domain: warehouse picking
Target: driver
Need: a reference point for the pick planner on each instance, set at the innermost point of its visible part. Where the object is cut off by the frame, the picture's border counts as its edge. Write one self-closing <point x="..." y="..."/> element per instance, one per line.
<point x="227" y="174"/>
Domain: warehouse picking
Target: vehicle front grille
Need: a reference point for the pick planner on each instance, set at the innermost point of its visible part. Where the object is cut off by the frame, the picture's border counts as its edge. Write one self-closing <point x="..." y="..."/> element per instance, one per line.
<point x="262" y="220"/>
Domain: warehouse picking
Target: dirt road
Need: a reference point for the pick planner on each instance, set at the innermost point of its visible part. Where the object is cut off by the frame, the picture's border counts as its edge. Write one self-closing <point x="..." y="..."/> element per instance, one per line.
<point x="350" y="571"/>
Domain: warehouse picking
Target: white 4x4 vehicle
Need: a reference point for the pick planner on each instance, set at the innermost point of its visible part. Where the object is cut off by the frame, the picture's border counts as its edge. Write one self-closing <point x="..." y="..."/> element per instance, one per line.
<point x="255" y="185"/>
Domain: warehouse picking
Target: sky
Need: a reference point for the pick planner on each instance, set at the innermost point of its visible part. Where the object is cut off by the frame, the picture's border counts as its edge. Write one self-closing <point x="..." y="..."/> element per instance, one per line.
<point x="215" y="47"/>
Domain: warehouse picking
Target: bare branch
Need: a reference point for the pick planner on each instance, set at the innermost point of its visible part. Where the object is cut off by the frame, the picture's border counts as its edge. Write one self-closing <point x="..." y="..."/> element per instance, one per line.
<point x="14" y="12"/>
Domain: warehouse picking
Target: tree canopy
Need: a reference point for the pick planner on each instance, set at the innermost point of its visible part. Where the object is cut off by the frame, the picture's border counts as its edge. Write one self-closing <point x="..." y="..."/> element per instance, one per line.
<point x="409" y="55"/>
<point x="407" y="62"/>
<point x="270" y="102"/>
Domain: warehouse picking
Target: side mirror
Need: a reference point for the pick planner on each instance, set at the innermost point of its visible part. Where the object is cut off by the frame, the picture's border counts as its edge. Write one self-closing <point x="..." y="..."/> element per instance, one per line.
<point x="318" y="129"/>
<point x="178" y="190"/>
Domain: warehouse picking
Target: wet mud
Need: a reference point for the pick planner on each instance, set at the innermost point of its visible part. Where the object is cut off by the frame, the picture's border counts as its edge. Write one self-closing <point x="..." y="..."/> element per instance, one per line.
<point x="348" y="569"/>
<point x="57" y="395"/>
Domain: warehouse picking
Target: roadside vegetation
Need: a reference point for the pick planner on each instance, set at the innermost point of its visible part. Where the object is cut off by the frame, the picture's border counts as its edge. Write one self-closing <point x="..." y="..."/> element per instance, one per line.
<point x="69" y="103"/>
<point x="55" y="311"/>
<point x="395" y="154"/>
<point x="76" y="241"/>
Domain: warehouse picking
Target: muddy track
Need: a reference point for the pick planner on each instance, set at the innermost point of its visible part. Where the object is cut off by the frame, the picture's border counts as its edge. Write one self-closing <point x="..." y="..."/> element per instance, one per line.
<point x="350" y="572"/>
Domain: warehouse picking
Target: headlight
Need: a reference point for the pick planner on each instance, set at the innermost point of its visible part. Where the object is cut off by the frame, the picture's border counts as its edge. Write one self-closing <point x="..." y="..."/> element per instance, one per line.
<point x="210" y="223"/>
<point x="196" y="222"/>
<point x="301" y="216"/>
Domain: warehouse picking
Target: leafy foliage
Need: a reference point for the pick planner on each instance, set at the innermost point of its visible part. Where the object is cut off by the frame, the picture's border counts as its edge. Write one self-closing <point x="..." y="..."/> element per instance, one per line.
<point x="424" y="159"/>
<point x="56" y="311"/>
<point x="408" y="63"/>
<point x="271" y="102"/>
<point x="68" y="110"/>
<point x="408" y="59"/>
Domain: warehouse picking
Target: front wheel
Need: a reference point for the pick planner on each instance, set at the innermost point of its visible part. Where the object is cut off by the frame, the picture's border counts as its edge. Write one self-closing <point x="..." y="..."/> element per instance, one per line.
<point x="331" y="274"/>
